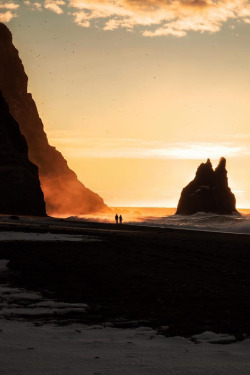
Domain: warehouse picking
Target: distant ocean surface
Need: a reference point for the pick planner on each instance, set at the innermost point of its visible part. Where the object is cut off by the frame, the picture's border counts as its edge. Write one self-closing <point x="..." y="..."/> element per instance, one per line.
<point x="165" y="218"/>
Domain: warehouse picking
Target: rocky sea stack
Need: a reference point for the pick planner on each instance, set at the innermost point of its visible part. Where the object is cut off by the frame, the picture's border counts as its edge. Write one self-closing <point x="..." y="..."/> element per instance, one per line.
<point x="64" y="193"/>
<point x="20" y="190"/>
<point x="208" y="192"/>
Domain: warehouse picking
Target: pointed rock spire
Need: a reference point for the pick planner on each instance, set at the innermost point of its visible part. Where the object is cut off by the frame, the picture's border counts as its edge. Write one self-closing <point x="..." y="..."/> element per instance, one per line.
<point x="208" y="192"/>
<point x="221" y="174"/>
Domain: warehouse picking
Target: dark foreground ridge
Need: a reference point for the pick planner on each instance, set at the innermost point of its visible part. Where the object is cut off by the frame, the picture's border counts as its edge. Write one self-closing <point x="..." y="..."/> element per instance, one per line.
<point x="20" y="190"/>
<point x="181" y="282"/>
<point x="208" y="192"/>
<point x="63" y="192"/>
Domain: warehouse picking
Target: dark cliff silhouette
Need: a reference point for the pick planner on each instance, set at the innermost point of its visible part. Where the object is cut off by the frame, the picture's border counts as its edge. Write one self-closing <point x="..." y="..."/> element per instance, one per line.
<point x="63" y="192"/>
<point x="208" y="192"/>
<point x="20" y="190"/>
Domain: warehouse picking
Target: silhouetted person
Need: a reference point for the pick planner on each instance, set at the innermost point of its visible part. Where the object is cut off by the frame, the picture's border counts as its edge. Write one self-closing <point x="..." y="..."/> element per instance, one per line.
<point x="116" y="219"/>
<point x="120" y="219"/>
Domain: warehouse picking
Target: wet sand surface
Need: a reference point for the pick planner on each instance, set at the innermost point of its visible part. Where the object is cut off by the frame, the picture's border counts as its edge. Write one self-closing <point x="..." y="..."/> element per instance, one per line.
<point x="180" y="282"/>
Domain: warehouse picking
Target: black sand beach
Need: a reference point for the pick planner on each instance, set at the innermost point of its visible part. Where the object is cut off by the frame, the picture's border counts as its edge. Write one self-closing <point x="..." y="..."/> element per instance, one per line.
<point x="180" y="282"/>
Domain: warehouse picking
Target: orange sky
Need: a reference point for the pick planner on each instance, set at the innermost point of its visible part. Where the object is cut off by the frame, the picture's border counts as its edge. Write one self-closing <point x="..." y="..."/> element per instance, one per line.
<point x="137" y="94"/>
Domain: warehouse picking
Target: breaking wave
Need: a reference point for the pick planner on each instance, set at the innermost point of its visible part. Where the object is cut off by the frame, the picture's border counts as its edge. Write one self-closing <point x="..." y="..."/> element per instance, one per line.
<point x="236" y="223"/>
<point x="165" y="218"/>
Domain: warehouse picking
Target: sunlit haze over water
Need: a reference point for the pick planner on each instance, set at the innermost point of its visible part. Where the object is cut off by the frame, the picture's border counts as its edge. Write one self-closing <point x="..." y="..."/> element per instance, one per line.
<point x="166" y="218"/>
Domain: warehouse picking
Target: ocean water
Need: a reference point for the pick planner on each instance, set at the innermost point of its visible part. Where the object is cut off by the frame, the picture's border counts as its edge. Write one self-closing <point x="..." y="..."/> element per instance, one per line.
<point x="166" y="218"/>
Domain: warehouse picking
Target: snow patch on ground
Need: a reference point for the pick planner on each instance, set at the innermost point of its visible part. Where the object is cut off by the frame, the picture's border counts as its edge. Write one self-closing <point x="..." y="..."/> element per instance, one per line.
<point x="213" y="338"/>
<point x="77" y="349"/>
<point x="38" y="349"/>
<point x="23" y="236"/>
<point x="18" y="303"/>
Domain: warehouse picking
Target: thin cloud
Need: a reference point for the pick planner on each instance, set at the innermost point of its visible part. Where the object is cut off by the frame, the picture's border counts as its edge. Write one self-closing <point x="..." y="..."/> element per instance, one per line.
<point x="32" y="5"/>
<point x="158" y="17"/>
<point x="54" y="5"/>
<point x="142" y="149"/>
<point x="152" y="17"/>
<point x="7" y="10"/>
<point x="7" y="16"/>
<point x="8" y="6"/>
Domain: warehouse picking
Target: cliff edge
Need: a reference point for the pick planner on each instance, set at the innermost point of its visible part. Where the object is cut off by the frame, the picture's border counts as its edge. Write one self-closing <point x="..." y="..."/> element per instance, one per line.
<point x="63" y="192"/>
<point x="20" y="190"/>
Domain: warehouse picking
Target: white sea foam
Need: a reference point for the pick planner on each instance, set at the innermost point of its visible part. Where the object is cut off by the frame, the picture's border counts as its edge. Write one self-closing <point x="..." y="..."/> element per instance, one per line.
<point x="160" y="217"/>
<point x="165" y="218"/>
<point x="236" y="223"/>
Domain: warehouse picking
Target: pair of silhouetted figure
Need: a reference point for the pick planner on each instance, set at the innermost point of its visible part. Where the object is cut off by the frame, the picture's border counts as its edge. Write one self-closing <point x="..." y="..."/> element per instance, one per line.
<point x="118" y="218"/>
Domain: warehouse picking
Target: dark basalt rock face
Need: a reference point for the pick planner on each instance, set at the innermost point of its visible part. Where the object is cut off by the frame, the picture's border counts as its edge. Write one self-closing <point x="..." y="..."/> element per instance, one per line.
<point x="208" y="192"/>
<point x="20" y="190"/>
<point x="63" y="192"/>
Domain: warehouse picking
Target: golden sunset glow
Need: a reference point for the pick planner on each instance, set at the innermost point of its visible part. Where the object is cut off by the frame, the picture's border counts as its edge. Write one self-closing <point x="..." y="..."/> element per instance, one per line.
<point x="136" y="94"/>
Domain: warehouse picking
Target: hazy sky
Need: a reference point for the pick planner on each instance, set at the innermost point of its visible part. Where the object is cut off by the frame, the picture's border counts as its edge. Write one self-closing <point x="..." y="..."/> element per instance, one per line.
<point x="137" y="93"/>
